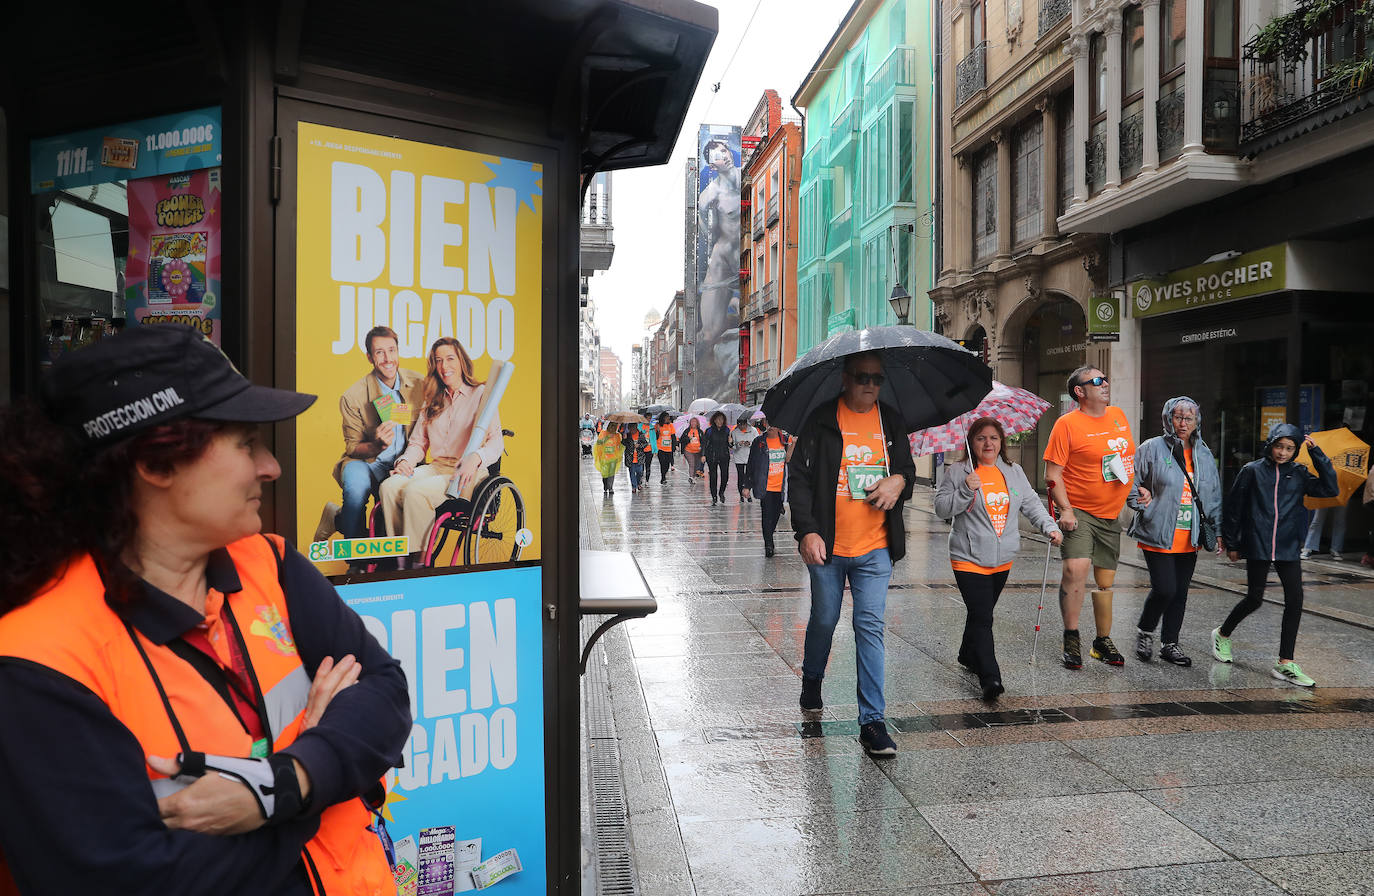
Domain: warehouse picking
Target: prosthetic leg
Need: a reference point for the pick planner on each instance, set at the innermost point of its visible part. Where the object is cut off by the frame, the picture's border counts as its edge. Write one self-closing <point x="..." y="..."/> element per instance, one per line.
<point x="1103" y="649"/>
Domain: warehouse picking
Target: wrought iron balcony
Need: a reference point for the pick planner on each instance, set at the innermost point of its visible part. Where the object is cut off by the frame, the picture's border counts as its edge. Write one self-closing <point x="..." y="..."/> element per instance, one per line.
<point x="1301" y="67"/>
<point x="1169" y="122"/>
<point x="759" y="376"/>
<point x="1221" y="111"/>
<point x="847" y="120"/>
<point x="1052" y="12"/>
<point x="758" y="226"/>
<point x="1096" y="168"/>
<point x="771" y="217"/>
<point x="971" y="74"/>
<point x="1132" y="139"/>
<point x="767" y="297"/>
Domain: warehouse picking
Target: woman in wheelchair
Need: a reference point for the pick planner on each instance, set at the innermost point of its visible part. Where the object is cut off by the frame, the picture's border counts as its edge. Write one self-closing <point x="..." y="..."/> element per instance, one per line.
<point x="452" y="398"/>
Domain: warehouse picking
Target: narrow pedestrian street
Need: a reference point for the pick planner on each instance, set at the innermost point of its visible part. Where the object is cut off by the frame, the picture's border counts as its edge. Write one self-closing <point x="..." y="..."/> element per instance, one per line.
<point x="1151" y="778"/>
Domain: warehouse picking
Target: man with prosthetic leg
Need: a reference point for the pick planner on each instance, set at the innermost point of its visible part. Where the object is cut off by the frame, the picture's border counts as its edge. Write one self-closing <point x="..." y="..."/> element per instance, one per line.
<point x="1089" y="464"/>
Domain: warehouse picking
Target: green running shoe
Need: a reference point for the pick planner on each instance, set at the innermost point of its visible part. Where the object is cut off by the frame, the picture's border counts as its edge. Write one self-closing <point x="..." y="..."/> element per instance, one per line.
<point x="1221" y="647"/>
<point x="1291" y="673"/>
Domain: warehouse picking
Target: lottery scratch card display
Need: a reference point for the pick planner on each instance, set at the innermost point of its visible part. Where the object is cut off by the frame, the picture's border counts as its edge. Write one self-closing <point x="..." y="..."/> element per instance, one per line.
<point x="173" y="272"/>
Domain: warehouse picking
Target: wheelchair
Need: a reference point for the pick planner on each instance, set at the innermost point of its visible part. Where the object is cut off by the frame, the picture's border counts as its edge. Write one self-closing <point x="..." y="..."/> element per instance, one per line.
<point x="484" y="532"/>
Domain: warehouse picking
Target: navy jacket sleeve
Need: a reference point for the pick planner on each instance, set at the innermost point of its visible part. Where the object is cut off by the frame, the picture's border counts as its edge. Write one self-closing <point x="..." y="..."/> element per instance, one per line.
<point x="360" y="736"/>
<point x="801" y="483"/>
<point x="1324" y="484"/>
<point x="1235" y="508"/>
<point x="80" y="816"/>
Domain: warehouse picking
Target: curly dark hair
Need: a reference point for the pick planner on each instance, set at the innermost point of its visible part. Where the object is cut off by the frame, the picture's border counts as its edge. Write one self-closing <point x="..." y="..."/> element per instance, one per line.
<point x="63" y="500"/>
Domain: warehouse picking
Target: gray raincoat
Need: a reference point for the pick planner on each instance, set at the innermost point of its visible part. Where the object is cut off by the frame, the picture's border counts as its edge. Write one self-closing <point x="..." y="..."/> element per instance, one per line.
<point x="1157" y="468"/>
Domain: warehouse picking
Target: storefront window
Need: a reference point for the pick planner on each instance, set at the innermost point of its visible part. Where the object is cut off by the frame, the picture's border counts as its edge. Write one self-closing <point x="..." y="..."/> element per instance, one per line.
<point x="127" y="224"/>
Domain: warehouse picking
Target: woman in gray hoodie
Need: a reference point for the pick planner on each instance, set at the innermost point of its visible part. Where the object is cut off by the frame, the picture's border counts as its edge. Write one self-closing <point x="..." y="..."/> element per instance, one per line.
<point x="983" y="497"/>
<point x="1167" y="525"/>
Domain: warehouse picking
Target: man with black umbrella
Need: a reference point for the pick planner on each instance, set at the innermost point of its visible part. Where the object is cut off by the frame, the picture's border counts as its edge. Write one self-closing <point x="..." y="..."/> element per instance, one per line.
<point x="849" y="476"/>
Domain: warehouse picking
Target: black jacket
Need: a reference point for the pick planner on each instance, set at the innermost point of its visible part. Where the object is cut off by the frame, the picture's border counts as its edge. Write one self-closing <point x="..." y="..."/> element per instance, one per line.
<point x="715" y="445"/>
<point x="756" y="473"/>
<point x="815" y="469"/>
<point x="1263" y="516"/>
<point x="637" y="440"/>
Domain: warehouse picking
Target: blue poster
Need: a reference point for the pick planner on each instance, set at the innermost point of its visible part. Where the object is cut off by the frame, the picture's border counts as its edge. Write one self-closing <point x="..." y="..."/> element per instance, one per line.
<point x="470" y="799"/>
<point x="169" y="144"/>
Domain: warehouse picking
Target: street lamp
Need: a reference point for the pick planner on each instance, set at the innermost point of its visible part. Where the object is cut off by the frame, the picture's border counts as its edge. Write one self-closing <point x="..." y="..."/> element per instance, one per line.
<point x="900" y="300"/>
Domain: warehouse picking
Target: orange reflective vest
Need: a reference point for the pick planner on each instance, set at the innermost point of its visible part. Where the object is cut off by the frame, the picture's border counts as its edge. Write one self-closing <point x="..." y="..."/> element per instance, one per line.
<point x="71" y="630"/>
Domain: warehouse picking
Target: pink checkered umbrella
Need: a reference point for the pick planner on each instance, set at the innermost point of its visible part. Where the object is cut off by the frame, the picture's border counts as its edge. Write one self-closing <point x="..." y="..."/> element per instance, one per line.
<point x="1016" y="409"/>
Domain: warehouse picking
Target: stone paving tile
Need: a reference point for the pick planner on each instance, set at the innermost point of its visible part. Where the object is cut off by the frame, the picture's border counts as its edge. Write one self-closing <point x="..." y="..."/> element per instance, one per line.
<point x="1208" y="879"/>
<point x="695" y="644"/>
<point x="1330" y="874"/>
<point x="982" y="774"/>
<point x="820" y="854"/>
<point x="1330" y="814"/>
<point x="779" y="789"/>
<point x="971" y="889"/>
<point x="1065" y="834"/>
<point x="991" y="737"/>
<point x="708" y="668"/>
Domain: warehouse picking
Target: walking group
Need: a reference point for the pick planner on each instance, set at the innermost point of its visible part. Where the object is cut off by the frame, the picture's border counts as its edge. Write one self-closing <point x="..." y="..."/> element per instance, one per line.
<point x="852" y="470"/>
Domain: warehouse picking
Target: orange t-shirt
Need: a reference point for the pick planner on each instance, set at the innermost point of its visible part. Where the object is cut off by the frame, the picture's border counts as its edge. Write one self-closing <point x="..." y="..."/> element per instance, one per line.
<point x="1095" y="452"/>
<point x="665" y="438"/>
<point x="693" y="439"/>
<point x="859" y="526"/>
<point x="997" y="502"/>
<point x="1183" y="528"/>
<point x="777" y="460"/>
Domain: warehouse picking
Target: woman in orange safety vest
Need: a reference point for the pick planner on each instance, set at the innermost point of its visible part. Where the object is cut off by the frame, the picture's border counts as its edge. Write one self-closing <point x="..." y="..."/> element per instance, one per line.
<point x="186" y="705"/>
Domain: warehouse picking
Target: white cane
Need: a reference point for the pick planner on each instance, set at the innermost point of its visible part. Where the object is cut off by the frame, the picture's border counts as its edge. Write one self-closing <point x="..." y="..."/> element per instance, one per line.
<point x="1044" y="582"/>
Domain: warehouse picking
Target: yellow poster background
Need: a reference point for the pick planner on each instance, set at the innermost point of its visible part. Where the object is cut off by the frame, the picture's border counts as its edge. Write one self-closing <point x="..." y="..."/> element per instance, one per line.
<point x="431" y="241"/>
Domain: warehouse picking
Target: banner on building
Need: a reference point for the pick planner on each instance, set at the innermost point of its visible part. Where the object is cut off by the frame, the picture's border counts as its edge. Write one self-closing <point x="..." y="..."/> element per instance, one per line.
<point x="716" y="306"/>
<point x="418" y="324"/>
<point x="168" y="144"/>
<point x="1104" y="319"/>
<point x="1242" y="277"/>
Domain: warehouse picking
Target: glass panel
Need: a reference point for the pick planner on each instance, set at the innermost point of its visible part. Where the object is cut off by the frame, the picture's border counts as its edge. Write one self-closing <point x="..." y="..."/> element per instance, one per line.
<point x="1173" y="15"/>
<point x="1222" y="21"/>
<point x="1065" y="122"/>
<point x="977" y="21"/>
<point x="1098" y="56"/>
<point x="1027" y="207"/>
<point x="1133" y="50"/>
<point x="905" y="171"/>
<point x="884" y="158"/>
<point x="985" y="204"/>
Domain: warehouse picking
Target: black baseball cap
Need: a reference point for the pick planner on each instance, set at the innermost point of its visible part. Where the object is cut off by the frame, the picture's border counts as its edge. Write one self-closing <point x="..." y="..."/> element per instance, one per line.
<point x="153" y="374"/>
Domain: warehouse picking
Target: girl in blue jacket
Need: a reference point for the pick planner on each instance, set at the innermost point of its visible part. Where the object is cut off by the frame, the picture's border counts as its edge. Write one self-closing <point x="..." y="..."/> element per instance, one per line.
<point x="1264" y="521"/>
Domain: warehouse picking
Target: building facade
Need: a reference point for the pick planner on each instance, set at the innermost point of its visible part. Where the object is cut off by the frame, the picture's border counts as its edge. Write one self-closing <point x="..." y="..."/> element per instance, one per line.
<point x="867" y="204"/>
<point x="1230" y="159"/>
<point x="1014" y="284"/>
<point x="611" y="395"/>
<point x="588" y="357"/>
<point x="768" y="259"/>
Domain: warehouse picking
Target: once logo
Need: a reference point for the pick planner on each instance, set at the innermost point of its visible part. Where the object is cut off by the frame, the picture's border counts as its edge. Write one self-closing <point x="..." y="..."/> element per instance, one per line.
<point x="1144" y="298"/>
<point x="1105" y="311"/>
<point x="1117" y="444"/>
<point x="997" y="500"/>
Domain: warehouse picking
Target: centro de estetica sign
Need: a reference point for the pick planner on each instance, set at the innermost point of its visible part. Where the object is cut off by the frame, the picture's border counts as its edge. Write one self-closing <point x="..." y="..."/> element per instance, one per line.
<point x="1253" y="274"/>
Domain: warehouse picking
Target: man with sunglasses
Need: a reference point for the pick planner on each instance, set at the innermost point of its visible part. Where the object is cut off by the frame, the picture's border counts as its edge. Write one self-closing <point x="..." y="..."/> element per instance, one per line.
<point x="1089" y="465"/>
<point x="849" y="474"/>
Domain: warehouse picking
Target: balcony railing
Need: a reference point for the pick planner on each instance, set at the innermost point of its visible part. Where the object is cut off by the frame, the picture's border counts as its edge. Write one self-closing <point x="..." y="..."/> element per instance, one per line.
<point x="771" y="217"/>
<point x="1221" y="110"/>
<point x="971" y="74"/>
<point x="1096" y="170"/>
<point x="1318" y="65"/>
<point x="1169" y="122"/>
<point x="749" y="310"/>
<point x="841" y="226"/>
<point x="848" y="118"/>
<point x="767" y="297"/>
<point x="758" y="226"/>
<point x="815" y="158"/>
<point x="1052" y="12"/>
<point x="899" y="69"/>
<point x="759" y="376"/>
<point x="1132" y="138"/>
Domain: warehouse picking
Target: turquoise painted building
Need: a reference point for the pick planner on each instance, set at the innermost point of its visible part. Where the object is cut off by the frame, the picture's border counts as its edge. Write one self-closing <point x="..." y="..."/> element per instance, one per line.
<point x="866" y="195"/>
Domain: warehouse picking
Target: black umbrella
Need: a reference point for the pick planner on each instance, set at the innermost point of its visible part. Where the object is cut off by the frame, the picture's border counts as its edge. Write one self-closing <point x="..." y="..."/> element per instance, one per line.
<point x="929" y="379"/>
<point x="653" y="410"/>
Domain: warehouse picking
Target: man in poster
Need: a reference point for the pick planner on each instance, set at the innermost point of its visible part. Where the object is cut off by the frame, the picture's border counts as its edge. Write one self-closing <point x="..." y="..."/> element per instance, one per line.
<point x="375" y="413"/>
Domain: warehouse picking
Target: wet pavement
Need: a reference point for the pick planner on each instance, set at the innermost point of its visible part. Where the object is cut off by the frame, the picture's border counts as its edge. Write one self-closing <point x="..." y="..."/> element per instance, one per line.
<point x="1149" y="778"/>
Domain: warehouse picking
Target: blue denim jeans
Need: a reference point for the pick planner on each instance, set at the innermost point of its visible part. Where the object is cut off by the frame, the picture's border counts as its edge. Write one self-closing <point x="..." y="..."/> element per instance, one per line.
<point x="868" y="577"/>
<point x="360" y="479"/>
<point x="636" y="473"/>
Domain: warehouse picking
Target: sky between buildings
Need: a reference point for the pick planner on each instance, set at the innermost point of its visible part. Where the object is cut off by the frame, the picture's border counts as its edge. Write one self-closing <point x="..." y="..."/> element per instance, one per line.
<point x="776" y="51"/>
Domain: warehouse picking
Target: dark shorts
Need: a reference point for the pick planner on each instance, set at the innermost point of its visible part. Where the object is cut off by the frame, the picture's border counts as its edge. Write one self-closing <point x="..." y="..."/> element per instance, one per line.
<point x="1094" y="538"/>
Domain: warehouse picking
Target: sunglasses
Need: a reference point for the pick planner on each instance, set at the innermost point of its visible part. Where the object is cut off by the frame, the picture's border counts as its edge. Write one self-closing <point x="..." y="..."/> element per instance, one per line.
<point x="1095" y="381"/>
<point x="864" y="379"/>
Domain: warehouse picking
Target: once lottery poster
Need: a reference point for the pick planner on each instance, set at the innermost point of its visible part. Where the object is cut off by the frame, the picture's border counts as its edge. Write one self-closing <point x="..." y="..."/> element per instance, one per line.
<point x="467" y="809"/>
<point x="418" y="324"/>
<point x="173" y="270"/>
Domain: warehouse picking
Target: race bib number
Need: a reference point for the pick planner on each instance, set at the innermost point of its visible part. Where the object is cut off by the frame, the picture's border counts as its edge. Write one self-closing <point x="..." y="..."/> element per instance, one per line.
<point x="776" y="458"/>
<point x="1185" y="510"/>
<point x="1114" y="468"/>
<point x="863" y="477"/>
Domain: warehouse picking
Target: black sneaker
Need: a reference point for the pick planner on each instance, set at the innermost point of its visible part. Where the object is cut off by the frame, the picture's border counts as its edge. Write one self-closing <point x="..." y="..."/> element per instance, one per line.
<point x="811" y="695"/>
<point x="1105" y="650"/>
<point x="1145" y="646"/>
<point x="876" y="741"/>
<point x="1073" y="650"/>
<point x="992" y="690"/>
<point x="1171" y="653"/>
<point x="768" y="551"/>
